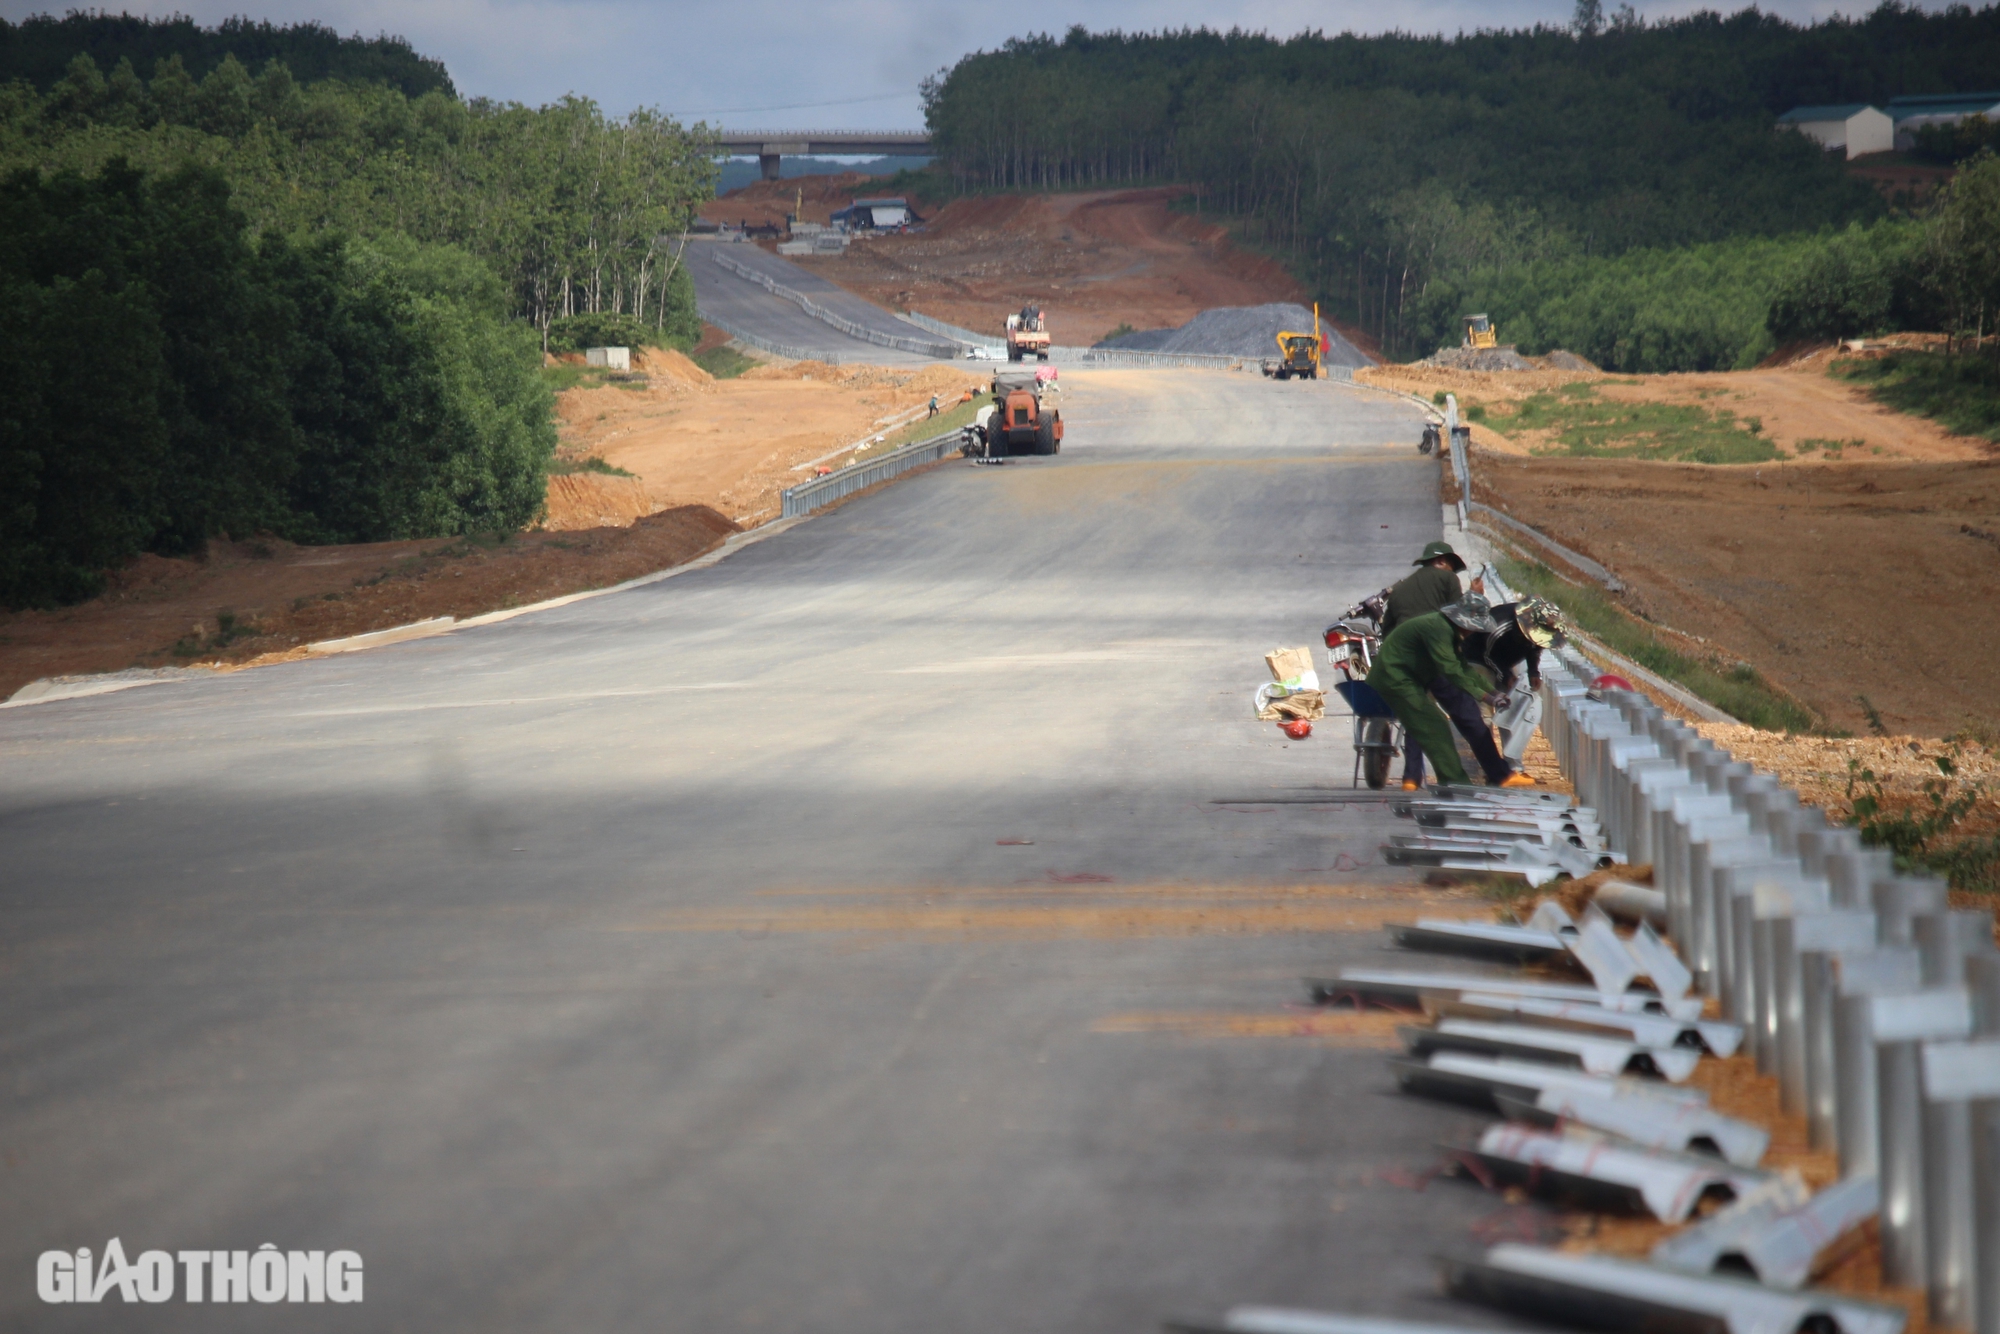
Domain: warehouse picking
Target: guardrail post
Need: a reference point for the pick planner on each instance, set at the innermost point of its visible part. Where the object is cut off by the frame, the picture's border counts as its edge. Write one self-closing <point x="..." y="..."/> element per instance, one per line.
<point x="1860" y="979"/>
<point x="1900" y="1026"/>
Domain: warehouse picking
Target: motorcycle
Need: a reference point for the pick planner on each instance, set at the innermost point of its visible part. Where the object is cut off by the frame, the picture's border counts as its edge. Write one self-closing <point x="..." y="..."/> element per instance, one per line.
<point x="1351" y="645"/>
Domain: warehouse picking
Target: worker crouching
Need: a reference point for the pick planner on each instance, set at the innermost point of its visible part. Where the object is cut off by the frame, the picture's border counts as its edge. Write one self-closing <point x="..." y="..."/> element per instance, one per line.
<point x="1420" y="654"/>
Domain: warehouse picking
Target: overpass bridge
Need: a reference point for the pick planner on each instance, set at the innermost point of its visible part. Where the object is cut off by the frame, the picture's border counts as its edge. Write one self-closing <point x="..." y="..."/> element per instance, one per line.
<point x="767" y="146"/>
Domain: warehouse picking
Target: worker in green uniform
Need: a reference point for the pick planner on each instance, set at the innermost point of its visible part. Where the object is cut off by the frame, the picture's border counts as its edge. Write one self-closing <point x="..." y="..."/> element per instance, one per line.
<point x="1419" y="651"/>
<point x="1434" y="584"/>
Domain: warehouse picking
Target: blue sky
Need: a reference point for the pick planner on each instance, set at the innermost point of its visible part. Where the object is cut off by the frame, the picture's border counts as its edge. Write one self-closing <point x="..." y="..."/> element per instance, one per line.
<point x="830" y="64"/>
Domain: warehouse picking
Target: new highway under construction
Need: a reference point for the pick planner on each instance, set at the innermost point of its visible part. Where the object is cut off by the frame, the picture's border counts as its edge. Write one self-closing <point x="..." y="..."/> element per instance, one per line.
<point x="896" y="919"/>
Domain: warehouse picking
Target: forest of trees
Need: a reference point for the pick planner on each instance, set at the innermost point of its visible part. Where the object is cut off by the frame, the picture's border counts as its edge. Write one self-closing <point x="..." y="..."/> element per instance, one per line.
<point x="1405" y="175"/>
<point x="326" y="301"/>
<point x="39" y="50"/>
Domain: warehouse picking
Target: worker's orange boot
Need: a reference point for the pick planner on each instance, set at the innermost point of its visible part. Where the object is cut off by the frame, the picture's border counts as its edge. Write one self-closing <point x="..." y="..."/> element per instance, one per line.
<point x="1408" y="786"/>
<point x="1517" y="780"/>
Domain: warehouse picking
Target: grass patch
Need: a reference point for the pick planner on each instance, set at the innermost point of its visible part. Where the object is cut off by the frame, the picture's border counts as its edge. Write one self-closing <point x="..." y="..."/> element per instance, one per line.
<point x="950" y="418"/>
<point x="1831" y="448"/>
<point x="1737" y="690"/>
<point x="723" y="362"/>
<point x="1124" y="327"/>
<point x="229" y="627"/>
<point x="1587" y="426"/>
<point x="1960" y="393"/>
<point x="561" y="467"/>
<point x="1923" y="832"/>
<point x="563" y="376"/>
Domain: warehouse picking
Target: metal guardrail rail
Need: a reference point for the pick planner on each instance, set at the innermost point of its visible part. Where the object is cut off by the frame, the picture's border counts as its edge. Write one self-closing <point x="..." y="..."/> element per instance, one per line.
<point x="1574" y="558"/>
<point x="951" y="331"/>
<point x="809" y="496"/>
<point x="762" y="344"/>
<point x="922" y="347"/>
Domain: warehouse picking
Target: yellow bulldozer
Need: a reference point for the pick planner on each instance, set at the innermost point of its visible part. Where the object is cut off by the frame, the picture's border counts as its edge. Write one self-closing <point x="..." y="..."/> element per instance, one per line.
<point x="1299" y="353"/>
<point x="1479" y="332"/>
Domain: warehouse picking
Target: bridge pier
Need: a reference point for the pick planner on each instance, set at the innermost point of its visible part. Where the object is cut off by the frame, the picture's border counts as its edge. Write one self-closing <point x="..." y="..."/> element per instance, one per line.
<point x="769" y="163"/>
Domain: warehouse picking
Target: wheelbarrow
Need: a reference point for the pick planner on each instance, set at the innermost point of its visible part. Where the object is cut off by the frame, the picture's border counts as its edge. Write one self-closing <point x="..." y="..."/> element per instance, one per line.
<point x="1378" y="737"/>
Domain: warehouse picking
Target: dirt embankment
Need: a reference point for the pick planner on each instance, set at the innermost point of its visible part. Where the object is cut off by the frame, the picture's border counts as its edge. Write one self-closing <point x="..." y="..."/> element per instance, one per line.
<point x="1872" y="575"/>
<point x="1092" y="261"/>
<point x="241" y="601"/>
<point x="736" y="444"/>
<point x="710" y="458"/>
<point x="812" y="198"/>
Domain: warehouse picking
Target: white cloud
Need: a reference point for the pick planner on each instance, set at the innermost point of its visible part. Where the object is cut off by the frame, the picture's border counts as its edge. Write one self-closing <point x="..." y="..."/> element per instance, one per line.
<point x="700" y="57"/>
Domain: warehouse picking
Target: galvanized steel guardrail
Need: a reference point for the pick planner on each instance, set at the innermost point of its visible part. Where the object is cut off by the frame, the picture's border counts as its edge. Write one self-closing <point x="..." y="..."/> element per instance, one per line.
<point x="921" y="347"/>
<point x="762" y="344"/>
<point x="951" y="331"/>
<point x="809" y="496"/>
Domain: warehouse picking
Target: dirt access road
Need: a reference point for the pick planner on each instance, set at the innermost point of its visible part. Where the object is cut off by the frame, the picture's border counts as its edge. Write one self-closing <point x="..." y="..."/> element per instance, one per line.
<point x="1869" y="568"/>
<point x="1092" y="261"/>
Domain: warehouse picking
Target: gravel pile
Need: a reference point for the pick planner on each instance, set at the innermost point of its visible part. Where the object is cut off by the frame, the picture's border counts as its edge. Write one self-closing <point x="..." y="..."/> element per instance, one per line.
<point x="1241" y="331"/>
<point x="1560" y="360"/>
<point x="1479" y="359"/>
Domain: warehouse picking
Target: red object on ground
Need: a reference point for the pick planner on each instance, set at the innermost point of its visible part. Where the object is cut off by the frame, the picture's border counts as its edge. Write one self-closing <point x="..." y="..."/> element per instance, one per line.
<point x="1609" y="682"/>
<point x="1298" y="729"/>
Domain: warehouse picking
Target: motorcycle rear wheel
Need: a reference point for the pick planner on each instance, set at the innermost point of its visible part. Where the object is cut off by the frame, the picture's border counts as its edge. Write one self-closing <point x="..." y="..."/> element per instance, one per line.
<point x="1376" y="736"/>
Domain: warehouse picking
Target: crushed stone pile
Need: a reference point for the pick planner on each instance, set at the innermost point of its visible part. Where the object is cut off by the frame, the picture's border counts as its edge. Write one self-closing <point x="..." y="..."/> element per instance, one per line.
<point x="1504" y="359"/>
<point x="1241" y="331"/>
<point x="1479" y="359"/>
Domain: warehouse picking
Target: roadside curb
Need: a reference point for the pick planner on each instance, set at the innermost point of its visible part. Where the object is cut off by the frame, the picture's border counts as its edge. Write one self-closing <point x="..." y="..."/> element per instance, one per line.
<point x="393" y="635"/>
<point x="50" y="689"/>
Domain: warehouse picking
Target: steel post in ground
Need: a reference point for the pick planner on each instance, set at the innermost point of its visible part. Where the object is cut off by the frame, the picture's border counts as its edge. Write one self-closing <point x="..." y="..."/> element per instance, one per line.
<point x="1944" y="941"/>
<point x="1804" y="946"/>
<point x="1658" y="790"/>
<point x="1736" y="914"/>
<point x="1620" y="754"/>
<point x="1982" y="978"/>
<point x="1716" y="861"/>
<point x="1776" y="986"/>
<point x="1852" y="872"/>
<point x="1642" y="778"/>
<point x="1690" y="826"/>
<point x="1899" y="901"/>
<point x="1957" y="1078"/>
<point x="1985" y="1130"/>
<point x="1900" y="1025"/>
<point x="1816" y="845"/>
<point x="1858" y="980"/>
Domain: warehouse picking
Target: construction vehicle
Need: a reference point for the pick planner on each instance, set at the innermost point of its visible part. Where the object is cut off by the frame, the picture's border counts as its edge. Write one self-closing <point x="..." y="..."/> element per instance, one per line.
<point x="1480" y="333"/>
<point x="1018" y="422"/>
<point x="1299" y="353"/>
<point x="1027" y="333"/>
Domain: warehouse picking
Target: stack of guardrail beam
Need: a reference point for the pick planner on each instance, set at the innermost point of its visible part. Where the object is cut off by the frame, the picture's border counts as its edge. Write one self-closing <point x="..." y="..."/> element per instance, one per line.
<point x="1874" y="1005"/>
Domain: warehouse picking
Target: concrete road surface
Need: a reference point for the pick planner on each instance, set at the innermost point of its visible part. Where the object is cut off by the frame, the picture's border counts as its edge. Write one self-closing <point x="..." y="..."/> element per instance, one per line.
<point x="843" y="937"/>
<point x="748" y="307"/>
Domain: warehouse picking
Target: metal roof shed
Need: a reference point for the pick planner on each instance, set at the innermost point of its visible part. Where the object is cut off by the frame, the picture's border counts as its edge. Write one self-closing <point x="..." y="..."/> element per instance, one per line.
<point x="1853" y="127"/>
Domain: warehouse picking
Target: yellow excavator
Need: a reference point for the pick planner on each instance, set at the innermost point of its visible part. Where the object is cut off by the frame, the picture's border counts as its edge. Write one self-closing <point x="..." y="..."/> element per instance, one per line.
<point x="1299" y="353"/>
<point x="1479" y="332"/>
